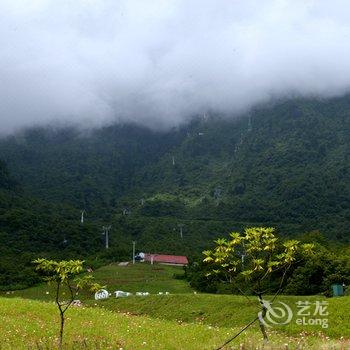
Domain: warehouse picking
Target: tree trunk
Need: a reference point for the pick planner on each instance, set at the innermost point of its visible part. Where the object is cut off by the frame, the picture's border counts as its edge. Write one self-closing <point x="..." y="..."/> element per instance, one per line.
<point x="261" y="316"/>
<point x="60" y="339"/>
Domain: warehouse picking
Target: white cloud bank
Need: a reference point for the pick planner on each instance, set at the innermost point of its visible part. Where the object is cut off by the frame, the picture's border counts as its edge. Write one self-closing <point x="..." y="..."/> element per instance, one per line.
<point x="160" y="61"/>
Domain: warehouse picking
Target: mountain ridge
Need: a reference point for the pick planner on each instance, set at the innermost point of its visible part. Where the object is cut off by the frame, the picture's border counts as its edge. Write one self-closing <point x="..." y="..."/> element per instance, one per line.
<point x="286" y="163"/>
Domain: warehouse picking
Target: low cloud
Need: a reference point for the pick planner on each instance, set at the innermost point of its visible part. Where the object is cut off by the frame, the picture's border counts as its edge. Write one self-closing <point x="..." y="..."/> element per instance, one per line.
<point x="160" y="62"/>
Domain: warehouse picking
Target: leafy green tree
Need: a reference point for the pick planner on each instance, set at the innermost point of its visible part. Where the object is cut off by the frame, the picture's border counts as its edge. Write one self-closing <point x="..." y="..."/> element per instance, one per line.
<point x="64" y="275"/>
<point x="319" y="272"/>
<point x="255" y="255"/>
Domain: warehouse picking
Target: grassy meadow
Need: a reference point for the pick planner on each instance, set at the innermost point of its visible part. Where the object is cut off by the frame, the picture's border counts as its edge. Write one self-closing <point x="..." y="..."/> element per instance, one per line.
<point x="180" y="320"/>
<point x="131" y="278"/>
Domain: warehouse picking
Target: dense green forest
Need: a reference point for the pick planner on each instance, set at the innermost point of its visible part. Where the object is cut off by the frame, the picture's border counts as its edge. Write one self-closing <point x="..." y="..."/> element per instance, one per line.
<point x="285" y="165"/>
<point x="30" y="228"/>
<point x="328" y="264"/>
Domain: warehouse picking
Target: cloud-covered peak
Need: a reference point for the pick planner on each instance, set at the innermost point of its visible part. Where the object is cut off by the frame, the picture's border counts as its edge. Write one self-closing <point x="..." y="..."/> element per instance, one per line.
<point x="160" y="62"/>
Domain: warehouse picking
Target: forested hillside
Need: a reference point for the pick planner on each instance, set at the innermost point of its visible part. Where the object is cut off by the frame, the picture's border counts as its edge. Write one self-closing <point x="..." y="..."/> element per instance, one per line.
<point x="30" y="228"/>
<point x="90" y="170"/>
<point x="286" y="164"/>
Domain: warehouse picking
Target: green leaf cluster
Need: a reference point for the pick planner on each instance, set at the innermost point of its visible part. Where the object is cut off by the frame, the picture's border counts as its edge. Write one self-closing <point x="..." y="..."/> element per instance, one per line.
<point x="255" y="254"/>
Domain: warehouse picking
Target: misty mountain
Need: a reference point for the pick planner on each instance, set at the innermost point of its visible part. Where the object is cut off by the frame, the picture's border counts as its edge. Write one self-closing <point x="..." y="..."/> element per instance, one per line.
<point x="87" y="170"/>
<point x="6" y="181"/>
<point x="286" y="163"/>
<point x="158" y="64"/>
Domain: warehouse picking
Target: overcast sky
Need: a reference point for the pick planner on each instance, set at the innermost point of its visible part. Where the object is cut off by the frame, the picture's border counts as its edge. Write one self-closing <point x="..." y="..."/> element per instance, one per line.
<point x="159" y="62"/>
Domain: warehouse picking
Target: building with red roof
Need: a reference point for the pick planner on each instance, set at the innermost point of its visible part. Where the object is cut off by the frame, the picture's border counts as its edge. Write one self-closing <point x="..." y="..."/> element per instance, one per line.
<point x="179" y="260"/>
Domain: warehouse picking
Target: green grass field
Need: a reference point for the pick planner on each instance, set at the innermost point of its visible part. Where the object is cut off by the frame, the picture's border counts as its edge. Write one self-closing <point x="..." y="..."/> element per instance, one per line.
<point x="29" y="324"/>
<point x="142" y="277"/>
<point x="132" y="278"/>
<point x="181" y="320"/>
<point x="232" y="311"/>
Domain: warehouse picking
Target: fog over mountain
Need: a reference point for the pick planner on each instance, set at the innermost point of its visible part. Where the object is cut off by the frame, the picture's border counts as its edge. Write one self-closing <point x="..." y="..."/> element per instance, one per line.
<point x="161" y="62"/>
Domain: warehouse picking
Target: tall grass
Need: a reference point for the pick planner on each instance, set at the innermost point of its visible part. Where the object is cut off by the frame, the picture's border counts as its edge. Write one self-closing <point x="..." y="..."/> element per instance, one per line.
<point x="28" y="324"/>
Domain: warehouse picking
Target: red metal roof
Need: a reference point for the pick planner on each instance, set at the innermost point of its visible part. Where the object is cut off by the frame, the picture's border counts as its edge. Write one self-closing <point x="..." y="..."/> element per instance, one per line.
<point x="169" y="259"/>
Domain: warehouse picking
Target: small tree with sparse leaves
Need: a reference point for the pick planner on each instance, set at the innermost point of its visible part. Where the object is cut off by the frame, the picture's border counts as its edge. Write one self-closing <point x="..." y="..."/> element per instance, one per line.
<point x="64" y="275"/>
<point x="254" y="255"/>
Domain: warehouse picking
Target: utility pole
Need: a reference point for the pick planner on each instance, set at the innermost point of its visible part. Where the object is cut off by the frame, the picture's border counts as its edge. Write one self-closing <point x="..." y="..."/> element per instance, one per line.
<point x="133" y="252"/>
<point x="180" y="227"/>
<point x="106" y="232"/>
<point x="217" y="195"/>
<point x="250" y="128"/>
